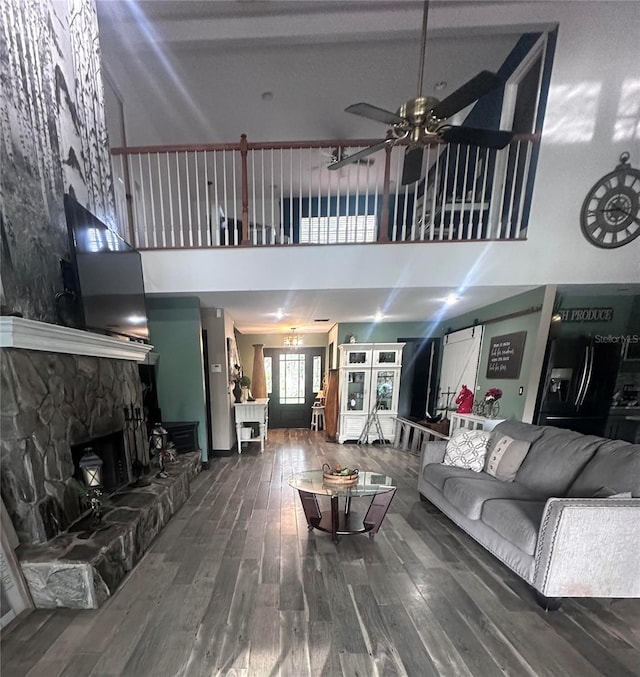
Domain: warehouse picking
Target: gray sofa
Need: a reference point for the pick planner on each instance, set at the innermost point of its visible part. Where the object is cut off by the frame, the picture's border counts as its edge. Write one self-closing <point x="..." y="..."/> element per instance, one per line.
<point x="545" y="525"/>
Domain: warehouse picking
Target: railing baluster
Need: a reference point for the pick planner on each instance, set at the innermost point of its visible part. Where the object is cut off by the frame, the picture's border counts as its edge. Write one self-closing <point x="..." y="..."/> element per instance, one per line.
<point x="291" y="233"/>
<point x="434" y="203"/>
<point x="281" y="196"/>
<point x="464" y="232"/>
<point x="226" y="201"/>
<point x="264" y="237"/>
<point x="486" y="165"/>
<point x="143" y="200"/>
<point x="454" y="196"/>
<point x="253" y="193"/>
<point x="172" y="234"/>
<point x="514" y="181"/>
<point x="197" y="172"/>
<point x="189" y="210"/>
<point x="427" y="164"/>
<point x="236" y="240"/>
<point x="272" y="239"/>
<point x="394" y="230"/>
<point x="319" y="221"/>
<point x="500" y="156"/>
<point x="215" y="218"/>
<point x="444" y="196"/>
<point x="179" y="203"/>
<point x="207" y="206"/>
<point x="523" y="189"/>
<point x="476" y="155"/>
<point x="164" y="238"/>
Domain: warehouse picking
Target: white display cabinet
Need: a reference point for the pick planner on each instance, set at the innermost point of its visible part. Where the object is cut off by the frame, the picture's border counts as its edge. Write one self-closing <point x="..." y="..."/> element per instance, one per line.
<point x="369" y="374"/>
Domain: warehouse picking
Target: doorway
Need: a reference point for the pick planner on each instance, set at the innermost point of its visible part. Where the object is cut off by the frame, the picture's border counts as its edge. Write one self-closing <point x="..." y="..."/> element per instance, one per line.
<point x="293" y="379"/>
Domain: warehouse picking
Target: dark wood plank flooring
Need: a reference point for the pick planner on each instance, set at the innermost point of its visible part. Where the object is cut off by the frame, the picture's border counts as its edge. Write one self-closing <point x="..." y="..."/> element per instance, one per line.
<point x="236" y="586"/>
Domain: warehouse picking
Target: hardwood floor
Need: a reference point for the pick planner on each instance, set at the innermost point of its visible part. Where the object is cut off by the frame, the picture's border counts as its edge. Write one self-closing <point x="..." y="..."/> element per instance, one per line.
<point x="236" y="586"/>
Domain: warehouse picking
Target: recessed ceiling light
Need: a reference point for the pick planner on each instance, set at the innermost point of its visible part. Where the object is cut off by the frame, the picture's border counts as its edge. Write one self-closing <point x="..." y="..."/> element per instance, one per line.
<point x="440" y="86"/>
<point x="378" y="316"/>
<point x="267" y="96"/>
<point x="279" y="314"/>
<point x="452" y="298"/>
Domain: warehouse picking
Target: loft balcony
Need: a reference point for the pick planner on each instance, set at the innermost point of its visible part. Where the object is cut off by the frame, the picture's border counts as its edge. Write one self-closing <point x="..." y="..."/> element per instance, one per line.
<point x="282" y="193"/>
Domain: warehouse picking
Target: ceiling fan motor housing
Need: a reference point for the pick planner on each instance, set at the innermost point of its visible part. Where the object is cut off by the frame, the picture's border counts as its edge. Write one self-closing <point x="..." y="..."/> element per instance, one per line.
<point x="420" y="119"/>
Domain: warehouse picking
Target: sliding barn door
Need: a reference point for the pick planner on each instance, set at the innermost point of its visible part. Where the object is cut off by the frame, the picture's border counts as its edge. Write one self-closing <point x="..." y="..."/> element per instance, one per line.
<point x="460" y="356"/>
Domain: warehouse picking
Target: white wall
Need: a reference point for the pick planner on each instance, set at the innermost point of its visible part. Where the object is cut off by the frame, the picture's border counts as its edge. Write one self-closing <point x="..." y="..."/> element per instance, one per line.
<point x="219" y="326"/>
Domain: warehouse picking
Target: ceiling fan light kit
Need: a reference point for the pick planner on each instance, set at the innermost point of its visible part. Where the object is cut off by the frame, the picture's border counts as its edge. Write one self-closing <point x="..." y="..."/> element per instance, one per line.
<point x="423" y="119"/>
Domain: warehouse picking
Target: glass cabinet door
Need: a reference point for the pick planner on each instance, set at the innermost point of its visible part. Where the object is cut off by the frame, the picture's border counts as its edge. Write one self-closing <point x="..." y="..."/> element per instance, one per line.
<point x="385" y="384"/>
<point x="355" y="390"/>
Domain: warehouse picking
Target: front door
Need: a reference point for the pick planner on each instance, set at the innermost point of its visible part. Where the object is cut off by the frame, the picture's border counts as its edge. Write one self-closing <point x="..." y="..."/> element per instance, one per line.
<point x="294" y="376"/>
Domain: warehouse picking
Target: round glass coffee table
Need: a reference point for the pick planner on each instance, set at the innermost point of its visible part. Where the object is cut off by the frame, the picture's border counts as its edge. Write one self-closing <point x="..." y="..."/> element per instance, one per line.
<point x="311" y="484"/>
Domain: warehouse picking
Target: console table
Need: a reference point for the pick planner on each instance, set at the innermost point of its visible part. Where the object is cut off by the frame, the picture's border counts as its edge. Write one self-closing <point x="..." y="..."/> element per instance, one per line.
<point x="252" y="412"/>
<point x="472" y="422"/>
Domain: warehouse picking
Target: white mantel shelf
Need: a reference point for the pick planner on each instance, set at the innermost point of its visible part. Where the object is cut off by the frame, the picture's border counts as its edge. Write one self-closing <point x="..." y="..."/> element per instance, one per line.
<point x="17" y="332"/>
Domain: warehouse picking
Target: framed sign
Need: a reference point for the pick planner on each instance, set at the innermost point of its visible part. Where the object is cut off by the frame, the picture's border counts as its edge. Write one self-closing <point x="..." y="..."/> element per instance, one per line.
<point x="505" y="355"/>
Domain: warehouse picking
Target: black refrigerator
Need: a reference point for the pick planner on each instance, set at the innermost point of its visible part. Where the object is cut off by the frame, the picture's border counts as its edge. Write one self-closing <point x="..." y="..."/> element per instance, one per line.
<point x="577" y="387"/>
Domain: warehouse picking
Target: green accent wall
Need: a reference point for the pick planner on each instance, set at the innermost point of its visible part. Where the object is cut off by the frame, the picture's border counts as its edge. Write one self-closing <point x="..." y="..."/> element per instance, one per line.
<point x="176" y="334"/>
<point x="512" y="403"/>
<point x="619" y="324"/>
<point x="385" y="332"/>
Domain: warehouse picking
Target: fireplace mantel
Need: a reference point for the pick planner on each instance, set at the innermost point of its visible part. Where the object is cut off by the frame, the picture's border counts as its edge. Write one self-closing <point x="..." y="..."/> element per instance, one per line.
<point x="17" y="332"/>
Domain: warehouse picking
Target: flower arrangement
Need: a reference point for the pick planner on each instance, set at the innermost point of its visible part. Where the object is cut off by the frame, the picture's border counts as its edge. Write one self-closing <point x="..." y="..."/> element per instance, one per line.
<point x="493" y="394"/>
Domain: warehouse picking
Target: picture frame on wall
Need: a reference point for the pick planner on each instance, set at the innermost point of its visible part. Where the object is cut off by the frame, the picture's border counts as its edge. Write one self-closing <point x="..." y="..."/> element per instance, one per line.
<point x="505" y="355"/>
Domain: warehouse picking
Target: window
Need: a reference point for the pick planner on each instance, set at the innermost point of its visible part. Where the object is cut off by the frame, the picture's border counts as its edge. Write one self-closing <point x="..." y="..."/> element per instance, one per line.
<point x="268" y="372"/>
<point x="332" y="229"/>
<point x="317" y="373"/>
<point x="292" y="374"/>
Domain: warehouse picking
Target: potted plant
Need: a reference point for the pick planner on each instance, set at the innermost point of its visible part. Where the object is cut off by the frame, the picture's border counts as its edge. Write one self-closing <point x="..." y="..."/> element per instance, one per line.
<point x="245" y="382"/>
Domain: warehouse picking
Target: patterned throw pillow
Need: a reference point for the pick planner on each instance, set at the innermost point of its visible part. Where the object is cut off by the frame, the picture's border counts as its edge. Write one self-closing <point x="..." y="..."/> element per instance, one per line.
<point x="467" y="449"/>
<point x="505" y="456"/>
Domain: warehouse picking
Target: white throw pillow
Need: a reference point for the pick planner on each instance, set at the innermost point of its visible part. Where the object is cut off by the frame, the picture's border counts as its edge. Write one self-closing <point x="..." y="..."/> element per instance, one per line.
<point x="467" y="449"/>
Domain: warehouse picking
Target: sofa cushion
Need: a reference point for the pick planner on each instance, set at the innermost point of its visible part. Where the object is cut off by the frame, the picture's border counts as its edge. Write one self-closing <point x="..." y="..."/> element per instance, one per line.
<point x="438" y="473"/>
<point x="504" y="456"/>
<point x="615" y="465"/>
<point x="467" y="449"/>
<point x="519" y="430"/>
<point x="468" y="494"/>
<point x="516" y="521"/>
<point x="556" y="459"/>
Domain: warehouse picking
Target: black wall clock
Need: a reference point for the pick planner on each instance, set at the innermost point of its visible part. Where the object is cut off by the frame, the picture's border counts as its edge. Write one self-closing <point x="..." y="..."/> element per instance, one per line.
<point x="610" y="215"/>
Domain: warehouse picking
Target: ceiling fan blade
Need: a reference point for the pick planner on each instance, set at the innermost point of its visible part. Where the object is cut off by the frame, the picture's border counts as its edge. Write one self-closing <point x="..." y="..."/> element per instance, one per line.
<point x="366" y="110"/>
<point x="360" y="154"/>
<point x="471" y="91"/>
<point x="412" y="168"/>
<point x="473" y="136"/>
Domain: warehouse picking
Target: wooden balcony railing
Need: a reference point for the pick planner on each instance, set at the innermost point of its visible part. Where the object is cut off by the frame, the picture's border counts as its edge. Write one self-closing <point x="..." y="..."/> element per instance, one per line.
<point x="259" y="194"/>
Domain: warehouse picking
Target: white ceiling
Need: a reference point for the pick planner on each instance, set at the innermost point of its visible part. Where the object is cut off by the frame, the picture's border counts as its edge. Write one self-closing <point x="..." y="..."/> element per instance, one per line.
<point x="194" y="72"/>
<point x="256" y="312"/>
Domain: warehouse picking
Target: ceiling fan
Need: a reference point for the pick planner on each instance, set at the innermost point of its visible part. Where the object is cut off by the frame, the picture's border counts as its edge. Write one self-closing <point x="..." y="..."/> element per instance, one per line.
<point x="424" y="118"/>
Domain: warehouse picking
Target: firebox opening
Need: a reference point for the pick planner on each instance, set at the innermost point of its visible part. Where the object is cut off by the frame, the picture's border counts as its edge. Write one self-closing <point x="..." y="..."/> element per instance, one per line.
<point x="111" y="449"/>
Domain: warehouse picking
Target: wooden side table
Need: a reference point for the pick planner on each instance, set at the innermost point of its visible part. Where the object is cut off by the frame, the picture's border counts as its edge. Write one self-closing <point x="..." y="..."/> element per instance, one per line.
<point x="252" y="412"/>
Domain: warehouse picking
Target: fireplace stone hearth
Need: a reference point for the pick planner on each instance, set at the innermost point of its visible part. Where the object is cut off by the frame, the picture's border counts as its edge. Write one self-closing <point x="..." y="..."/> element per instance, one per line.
<point x="79" y="573"/>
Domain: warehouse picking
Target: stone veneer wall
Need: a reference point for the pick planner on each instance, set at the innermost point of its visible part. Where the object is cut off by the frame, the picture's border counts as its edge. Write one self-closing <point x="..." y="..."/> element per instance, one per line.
<point x="51" y="401"/>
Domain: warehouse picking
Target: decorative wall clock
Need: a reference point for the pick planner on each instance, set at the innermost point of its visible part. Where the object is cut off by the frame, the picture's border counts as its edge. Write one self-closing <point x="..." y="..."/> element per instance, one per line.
<point x="610" y="215"/>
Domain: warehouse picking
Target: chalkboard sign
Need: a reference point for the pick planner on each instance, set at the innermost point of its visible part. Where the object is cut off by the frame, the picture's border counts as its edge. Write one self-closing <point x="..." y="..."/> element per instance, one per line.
<point x="505" y="355"/>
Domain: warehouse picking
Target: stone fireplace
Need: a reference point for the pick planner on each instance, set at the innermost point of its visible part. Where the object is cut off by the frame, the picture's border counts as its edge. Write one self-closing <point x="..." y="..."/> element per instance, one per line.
<point x="63" y="390"/>
<point x="52" y="404"/>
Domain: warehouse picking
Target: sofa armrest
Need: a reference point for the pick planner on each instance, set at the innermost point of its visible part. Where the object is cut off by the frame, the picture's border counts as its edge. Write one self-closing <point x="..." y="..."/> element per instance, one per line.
<point x="432" y="452"/>
<point x="589" y="547"/>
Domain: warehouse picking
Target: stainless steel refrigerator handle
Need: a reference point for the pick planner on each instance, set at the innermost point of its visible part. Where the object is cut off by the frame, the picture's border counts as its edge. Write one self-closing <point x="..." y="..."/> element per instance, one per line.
<point x="583" y="377"/>
<point x="589" y="375"/>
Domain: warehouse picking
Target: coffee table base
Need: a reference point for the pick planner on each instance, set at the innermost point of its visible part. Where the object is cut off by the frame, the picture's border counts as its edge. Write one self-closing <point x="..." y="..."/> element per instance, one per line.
<point x="346" y="522"/>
